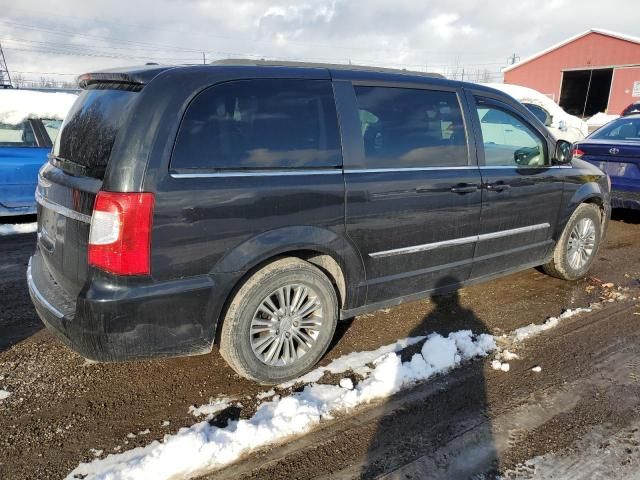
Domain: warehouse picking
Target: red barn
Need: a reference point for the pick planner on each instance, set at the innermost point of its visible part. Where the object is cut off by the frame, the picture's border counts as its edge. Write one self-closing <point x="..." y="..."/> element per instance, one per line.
<point x="595" y="71"/>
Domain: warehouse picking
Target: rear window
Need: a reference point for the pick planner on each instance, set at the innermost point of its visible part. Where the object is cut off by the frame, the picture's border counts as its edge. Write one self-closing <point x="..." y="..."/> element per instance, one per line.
<point x="20" y="135"/>
<point x="409" y="128"/>
<point x="260" y="124"/>
<point x="622" y="129"/>
<point x="90" y="129"/>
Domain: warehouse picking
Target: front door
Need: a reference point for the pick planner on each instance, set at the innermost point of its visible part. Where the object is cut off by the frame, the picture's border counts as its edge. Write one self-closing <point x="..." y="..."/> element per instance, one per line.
<point x="521" y="192"/>
<point x="413" y="192"/>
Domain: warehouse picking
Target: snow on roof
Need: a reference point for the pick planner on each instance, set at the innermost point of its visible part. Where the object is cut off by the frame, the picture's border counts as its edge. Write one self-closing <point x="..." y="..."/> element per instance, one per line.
<point x="529" y="95"/>
<point x="601" y="31"/>
<point x="18" y="105"/>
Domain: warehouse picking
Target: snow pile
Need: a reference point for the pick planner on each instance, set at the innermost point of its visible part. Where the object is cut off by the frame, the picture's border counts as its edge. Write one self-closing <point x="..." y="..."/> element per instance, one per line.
<point x="4" y="394"/>
<point x="552" y="322"/>
<point x="600" y="119"/>
<point x="529" y="95"/>
<point x="204" y="447"/>
<point x="11" y="229"/>
<point x="18" y="105"/>
<point x="210" y="409"/>
<point x="355" y="361"/>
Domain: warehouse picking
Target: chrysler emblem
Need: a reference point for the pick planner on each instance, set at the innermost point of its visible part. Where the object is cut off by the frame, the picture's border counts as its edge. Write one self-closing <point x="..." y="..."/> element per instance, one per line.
<point x="614" y="151"/>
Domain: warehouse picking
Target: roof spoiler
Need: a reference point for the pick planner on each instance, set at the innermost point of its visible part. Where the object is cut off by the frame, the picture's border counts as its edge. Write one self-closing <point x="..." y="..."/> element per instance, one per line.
<point x="126" y="79"/>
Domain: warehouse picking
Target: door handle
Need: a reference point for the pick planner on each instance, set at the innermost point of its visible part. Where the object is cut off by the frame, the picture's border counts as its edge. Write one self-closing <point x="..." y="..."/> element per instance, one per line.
<point x="498" y="187"/>
<point x="464" y="188"/>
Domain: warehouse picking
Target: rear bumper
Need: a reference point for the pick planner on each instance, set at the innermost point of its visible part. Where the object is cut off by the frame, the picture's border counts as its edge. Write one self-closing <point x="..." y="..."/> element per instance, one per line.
<point x="111" y="322"/>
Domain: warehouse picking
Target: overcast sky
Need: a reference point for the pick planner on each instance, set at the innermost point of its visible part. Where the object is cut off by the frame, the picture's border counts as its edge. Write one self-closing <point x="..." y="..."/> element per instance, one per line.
<point x="75" y="36"/>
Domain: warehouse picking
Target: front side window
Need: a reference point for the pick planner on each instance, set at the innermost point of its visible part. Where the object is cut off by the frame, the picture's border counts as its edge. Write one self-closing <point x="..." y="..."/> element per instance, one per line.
<point x="508" y="141"/>
<point x="19" y="135"/>
<point x="260" y="124"/>
<point x="405" y="128"/>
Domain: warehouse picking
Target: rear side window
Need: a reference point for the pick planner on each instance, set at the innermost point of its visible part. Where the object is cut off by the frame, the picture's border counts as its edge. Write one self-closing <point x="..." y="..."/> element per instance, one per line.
<point x="90" y="129"/>
<point x="260" y="124"/>
<point x="404" y="128"/>
<point x="20" y="135"/>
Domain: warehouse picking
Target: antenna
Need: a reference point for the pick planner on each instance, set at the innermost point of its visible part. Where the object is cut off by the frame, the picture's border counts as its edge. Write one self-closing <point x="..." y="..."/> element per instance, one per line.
<point x="513" y="59"/>
<point x="5" y="78"/>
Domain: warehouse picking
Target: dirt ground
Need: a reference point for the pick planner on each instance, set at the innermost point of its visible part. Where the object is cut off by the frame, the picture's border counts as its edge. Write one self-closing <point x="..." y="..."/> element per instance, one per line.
<point x="583" y="405"/>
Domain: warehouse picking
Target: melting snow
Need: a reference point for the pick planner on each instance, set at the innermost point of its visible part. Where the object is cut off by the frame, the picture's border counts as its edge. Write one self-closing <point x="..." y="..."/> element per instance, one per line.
<point x="4" y="394"/>
<point x="211" y="408"/>
<point x="346" y="383"/>
<point x="552" y="322"/>
<point x="267" y="394"/>
<point x="18" y="105"/>
<point x="537" y="369"/>
<point x="498" y="365"/>
<point x="11" y="229"/>
<point x="355" y="361"/>
<point x="203" y="447"/>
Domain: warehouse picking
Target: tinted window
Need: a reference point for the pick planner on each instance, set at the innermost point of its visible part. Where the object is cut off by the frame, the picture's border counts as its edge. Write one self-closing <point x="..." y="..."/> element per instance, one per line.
<point x="623" y="129"/>
<point x="411" y="128"/>
<point x="20" y="135"/>
<point x="508" y="141"/>
<point x="90" y="128"/>
<point x="254" y="124"/>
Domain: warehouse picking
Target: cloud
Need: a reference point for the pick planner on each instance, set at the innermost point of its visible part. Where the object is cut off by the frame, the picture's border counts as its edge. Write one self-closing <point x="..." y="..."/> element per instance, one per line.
<point x="77" y="36"/>
<point x="446" y="26"/>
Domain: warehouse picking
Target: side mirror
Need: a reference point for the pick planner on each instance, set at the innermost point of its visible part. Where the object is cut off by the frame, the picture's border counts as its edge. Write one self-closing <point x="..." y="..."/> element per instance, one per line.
<point x="563" y="154"/>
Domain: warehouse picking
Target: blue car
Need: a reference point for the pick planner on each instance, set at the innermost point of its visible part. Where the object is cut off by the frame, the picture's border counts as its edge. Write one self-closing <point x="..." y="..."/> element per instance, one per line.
<point x="23" y="150"/>
<point x="615" y="149"/>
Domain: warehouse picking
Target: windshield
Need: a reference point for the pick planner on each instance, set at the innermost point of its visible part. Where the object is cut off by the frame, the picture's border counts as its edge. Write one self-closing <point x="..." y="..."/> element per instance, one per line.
<point x="621" y="129"/>
<point x="539" y="112"/>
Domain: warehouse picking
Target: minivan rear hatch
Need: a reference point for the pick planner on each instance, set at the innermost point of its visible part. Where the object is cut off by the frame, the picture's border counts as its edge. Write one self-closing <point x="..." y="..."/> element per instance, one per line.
<point x="69" y="182"/>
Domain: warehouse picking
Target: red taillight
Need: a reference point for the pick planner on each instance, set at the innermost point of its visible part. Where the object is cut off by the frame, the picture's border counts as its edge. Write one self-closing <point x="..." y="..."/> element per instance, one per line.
<point x="120" y="235"/>
<point x="576" y="152"/>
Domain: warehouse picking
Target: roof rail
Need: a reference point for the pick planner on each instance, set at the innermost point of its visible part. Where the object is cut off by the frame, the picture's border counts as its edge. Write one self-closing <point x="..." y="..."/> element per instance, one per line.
<point x="333" y="66"/>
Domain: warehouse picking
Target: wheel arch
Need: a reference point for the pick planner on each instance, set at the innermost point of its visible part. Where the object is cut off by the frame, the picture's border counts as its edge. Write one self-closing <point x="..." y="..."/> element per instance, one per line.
<point x="590" y="193"/>
<point x="328" y="250"/>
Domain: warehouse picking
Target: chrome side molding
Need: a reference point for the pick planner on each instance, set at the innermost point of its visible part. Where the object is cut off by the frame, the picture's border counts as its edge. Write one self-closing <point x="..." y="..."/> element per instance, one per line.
<point x="458" y="241"/>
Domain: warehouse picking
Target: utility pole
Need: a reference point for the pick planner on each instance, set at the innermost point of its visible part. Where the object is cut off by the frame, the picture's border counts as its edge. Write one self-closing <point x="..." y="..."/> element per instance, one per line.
<point x="5" y="78"/>
<point x="204" y="58"/>
<point x="513" y="59"/>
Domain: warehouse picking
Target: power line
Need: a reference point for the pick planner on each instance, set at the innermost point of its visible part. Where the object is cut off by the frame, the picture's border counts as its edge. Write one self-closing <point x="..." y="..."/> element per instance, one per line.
<point x="5" y="78"/>
<point x="199" y="50"/>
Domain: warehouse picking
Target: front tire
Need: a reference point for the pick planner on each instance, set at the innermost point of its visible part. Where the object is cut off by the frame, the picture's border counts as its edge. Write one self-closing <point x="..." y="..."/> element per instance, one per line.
<point x="280" y="322"/>
<point x="577" y="247"/>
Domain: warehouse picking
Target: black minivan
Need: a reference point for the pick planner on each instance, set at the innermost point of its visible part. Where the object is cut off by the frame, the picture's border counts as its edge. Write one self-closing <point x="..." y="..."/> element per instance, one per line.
<point x="255" y="206"/>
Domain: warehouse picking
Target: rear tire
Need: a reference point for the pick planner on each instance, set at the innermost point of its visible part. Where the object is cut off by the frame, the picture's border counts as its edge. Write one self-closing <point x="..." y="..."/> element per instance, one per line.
<point x="280" y="322"/>
<point x="578" y="245"/>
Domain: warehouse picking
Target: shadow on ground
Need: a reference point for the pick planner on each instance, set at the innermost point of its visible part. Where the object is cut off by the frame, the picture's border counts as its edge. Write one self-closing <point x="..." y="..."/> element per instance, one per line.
<point x="427" y="456"/>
